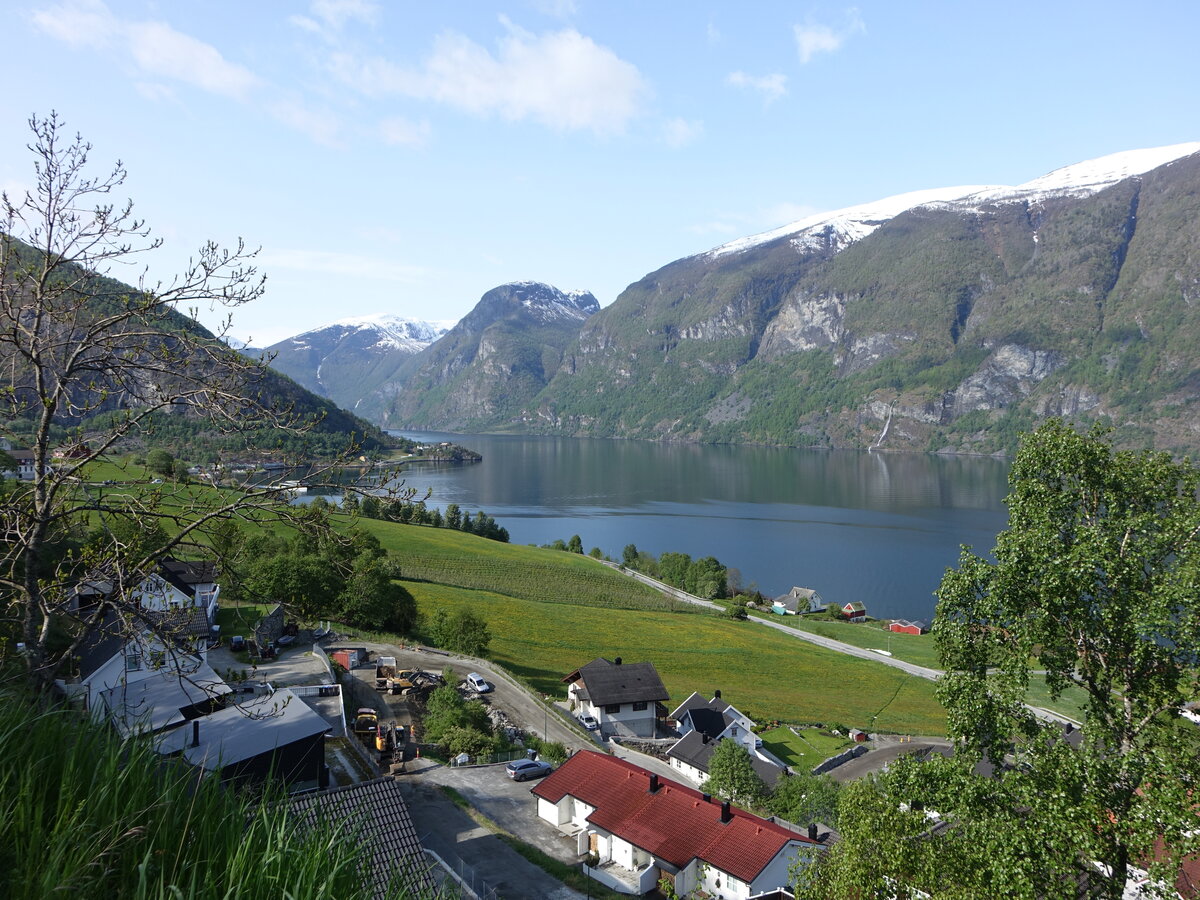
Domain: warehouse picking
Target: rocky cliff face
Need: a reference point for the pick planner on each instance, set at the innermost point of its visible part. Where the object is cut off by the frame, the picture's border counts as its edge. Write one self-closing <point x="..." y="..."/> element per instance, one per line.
<point x="500" y="356"/>
<point x="952" y="322"/>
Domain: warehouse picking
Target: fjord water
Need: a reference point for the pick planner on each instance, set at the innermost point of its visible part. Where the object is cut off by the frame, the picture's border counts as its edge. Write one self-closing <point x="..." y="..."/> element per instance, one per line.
<point x="877" y="527"/>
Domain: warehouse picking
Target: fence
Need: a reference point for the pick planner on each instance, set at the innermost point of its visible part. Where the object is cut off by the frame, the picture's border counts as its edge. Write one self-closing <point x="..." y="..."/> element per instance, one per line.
<point x="503" y="756"/>
<point x="466" y="881"/>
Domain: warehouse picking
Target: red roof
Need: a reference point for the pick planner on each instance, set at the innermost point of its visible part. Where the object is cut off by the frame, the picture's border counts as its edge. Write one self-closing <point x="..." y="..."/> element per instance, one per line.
<point x="675" y="823"/>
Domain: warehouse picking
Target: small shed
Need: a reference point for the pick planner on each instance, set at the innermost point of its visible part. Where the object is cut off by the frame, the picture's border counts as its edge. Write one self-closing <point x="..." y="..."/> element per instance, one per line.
<point x="904" y="626"/>
<point x="855" y="611"/>
<point x="858" y="735"/>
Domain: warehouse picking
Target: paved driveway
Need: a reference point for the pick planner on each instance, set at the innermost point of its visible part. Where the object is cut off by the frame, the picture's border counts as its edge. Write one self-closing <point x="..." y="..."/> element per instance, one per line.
<point x="506" y="802"/>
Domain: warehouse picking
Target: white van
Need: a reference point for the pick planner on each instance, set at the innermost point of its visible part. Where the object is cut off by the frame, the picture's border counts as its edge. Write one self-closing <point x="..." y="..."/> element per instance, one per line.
<point x="477" y="683"/>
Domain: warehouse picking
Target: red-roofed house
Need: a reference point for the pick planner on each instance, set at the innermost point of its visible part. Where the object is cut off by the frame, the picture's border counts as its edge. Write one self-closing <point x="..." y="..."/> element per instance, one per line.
<point x="653" y="828"/>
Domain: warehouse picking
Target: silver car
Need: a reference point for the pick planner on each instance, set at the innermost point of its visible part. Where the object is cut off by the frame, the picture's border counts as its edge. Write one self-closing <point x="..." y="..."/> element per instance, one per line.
<point x="524" y="769"/>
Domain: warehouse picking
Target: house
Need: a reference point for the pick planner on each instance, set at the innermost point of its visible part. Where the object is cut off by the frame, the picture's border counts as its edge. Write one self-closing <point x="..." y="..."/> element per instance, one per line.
<point x="626" y="699"/>
<point x="26" y="466"/>
<point x="797" y="601"/>
<point x="164" y="699"/>
<point x="180" y="584"/>
<point x="642" y="828"/>
<point x="376" y="812"/>
<point x="702" y="724"/>
<point x="903" y="626"/>
<point x="272" y="734"/>
<point x="855" y="611"/>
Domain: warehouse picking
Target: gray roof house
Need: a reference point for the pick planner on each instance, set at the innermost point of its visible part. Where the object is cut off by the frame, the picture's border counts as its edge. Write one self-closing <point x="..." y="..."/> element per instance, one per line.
<point x="626" y="699"/>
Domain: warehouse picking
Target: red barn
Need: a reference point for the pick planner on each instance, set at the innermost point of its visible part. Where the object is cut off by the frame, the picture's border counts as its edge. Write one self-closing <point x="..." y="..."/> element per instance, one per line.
<point x="903" y="626"/>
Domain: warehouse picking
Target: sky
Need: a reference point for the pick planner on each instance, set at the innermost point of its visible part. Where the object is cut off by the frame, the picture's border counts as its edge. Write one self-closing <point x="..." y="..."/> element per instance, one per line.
<point x="405" y="158"/>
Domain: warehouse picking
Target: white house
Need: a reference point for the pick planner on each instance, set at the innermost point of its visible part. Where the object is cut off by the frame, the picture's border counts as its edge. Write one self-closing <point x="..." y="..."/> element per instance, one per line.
<point x="625" y="699"/>
<point x="180" y="584"/>
<point x="643" y="828"/>
<point x="798" y="601"/>
<point x="702" y="724"/>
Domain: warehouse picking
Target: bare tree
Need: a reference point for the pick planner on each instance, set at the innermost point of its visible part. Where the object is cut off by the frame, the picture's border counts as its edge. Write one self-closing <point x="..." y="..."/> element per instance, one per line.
<point x="82" y="349"/>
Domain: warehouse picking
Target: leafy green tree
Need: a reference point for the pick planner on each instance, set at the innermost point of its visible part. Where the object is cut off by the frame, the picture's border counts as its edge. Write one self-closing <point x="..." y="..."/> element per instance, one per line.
<point x="804" y="798"/>
<point x="706" y="578"/>
<point x="575" y="544"/>
<point x="732" y="777"/>
<point x="160" y="462"/>
<point x="1094" y="585"/>
<point x="629" y="555"/>
<point x="453" y="515"/>
<point x="673" y="568"/>
<point x="461" y="631"/>
<point x="458" y="739"/>
<point x="372" y="600"/>
<point x="1096" y="582"/>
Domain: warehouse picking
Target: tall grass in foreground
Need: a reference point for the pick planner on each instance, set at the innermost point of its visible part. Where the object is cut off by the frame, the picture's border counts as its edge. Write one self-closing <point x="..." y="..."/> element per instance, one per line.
<point x="84" y="814"/>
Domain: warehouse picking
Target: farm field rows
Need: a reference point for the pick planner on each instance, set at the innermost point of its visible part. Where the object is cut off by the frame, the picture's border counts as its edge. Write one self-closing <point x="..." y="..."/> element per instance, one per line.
<point x="762" y="672"/>
<point x="449" y="557"/>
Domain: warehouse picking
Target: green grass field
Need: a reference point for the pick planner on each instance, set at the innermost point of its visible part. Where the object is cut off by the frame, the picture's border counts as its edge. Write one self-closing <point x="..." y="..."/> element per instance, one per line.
<point x="912" y="648"/>
<point x="444" y="556"/>
<point x="763" y="673"/>
<point x="804" y="750"/>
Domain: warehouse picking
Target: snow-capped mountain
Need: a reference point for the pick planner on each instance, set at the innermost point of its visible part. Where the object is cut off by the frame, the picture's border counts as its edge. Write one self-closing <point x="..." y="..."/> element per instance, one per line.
<point x="349" y="359"/>
<point x="841" y="228"/>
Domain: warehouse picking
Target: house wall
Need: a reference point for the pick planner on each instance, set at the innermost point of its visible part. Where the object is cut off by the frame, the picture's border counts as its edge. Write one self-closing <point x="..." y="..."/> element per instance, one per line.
<point x="775" y="873"/>
<point x="639" y="723"/>
<point x="688" y="771"/>
<point x="299" y="761"/>
<point x="722" y="885"/>
<point x="557" y="814"/>
<point x="155" y="593"/>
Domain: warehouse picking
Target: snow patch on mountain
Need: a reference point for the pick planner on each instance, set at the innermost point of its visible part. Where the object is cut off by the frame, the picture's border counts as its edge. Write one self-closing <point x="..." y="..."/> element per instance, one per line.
<point x="394" y="332"/>
<point x="841" y="228"/>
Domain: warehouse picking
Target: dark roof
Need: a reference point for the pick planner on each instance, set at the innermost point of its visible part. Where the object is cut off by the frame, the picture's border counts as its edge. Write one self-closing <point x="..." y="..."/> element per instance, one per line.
<point x="609" y="682"/>
<point x="376" y="812"/>
<point x="695" y="751"/>
<point x="192" y="572"/>
<point x="675" y="823"/>
<point x="101" y="644"/>
<point x="709" y="721"/>
<point x="180" y="622"/>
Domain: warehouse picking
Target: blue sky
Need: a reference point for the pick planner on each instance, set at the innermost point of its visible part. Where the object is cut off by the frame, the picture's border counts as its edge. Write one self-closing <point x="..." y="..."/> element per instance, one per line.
<point x="395" y="157"/>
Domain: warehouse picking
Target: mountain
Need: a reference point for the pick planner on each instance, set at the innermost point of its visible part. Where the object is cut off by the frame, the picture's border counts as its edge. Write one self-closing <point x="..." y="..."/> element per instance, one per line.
<point x="348" y="360"/>
<point x="492" y="363"/>
<point x="939" y="320"/>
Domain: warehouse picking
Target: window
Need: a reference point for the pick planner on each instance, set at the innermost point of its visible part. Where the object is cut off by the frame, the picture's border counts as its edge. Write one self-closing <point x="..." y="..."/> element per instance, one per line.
<point x="133" y="659"/>
<point x="613" y="708"/>
<point x="639" y="706"/>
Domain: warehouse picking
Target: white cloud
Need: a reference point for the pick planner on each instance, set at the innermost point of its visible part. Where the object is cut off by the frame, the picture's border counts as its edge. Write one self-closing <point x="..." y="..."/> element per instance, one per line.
<point x="156" y="48"/>
<point x="812" y="39"/>
<point x="159" y="49"/>
<point x="405" y="133"/>
<point x="772" y="87"/>
<point x="786" y="213"/>
<point x="561" y="79"/>
<point x="321" y="125"/>
<point x="326" y="262"/>
<point x="680" y="132"/>
<point x="77" y="22"/>
<point x="335" y="13"/>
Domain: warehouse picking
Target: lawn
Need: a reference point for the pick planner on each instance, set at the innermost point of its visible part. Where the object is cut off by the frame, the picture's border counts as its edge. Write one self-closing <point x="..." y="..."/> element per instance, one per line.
<point x="804" y="748"/>
<point x="765" y="674"/>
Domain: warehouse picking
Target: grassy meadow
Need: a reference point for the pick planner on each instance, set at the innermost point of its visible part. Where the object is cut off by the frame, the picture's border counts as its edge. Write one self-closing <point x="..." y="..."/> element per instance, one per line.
<point x="762" y="672"/>
<point x="805" y="749"/>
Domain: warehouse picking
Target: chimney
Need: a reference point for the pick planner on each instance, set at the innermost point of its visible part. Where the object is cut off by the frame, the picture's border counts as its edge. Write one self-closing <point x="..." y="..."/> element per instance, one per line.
<point x="195" y="732"/>
<point x="812" y="831"/>
<point x="653" y="783"/>
<point x="726" y="815"/>
<point x="617" y="661"/>
<point x="707" y="798"/>
<point x="717" y="694"/>
<point x="704" y="737"/>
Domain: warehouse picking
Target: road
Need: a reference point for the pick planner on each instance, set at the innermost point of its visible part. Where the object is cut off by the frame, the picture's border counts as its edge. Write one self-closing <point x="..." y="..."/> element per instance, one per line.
<point x="828" y="643"/>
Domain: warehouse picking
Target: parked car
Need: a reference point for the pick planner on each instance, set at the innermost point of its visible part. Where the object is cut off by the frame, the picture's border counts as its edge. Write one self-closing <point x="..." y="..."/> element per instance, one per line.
<point x="478" y="683"/>
<point x="524" y="769"/>
<point x="589" y="722"/>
